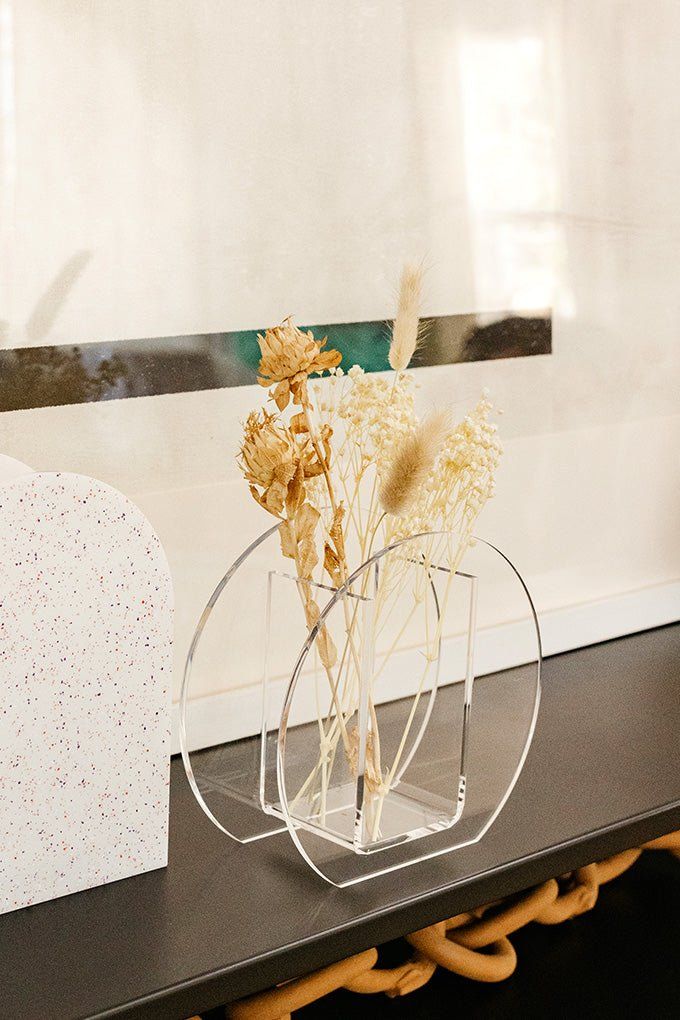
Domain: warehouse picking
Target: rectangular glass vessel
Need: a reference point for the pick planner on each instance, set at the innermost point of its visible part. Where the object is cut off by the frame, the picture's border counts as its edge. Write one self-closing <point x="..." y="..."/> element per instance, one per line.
<point x="365" y="758"/>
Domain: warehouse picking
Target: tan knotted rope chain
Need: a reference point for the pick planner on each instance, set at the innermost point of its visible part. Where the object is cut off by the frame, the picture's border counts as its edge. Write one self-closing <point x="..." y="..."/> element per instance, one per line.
<point x="474" y="944"/>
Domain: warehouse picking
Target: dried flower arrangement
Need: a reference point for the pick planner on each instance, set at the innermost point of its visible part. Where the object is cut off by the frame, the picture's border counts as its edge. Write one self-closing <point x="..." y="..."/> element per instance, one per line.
<point x="348" y="467"/>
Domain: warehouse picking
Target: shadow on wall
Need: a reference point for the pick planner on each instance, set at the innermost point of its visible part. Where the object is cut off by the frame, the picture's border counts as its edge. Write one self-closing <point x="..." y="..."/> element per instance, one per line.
<point x="49" y="305"/>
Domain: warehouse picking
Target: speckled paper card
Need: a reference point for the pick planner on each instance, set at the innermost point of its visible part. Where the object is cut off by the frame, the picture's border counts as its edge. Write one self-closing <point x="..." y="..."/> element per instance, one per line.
<point x="85" y="671"/>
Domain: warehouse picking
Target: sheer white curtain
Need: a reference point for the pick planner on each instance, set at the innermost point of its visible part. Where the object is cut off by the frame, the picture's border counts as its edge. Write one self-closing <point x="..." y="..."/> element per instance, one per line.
<point x="171" y="167"/>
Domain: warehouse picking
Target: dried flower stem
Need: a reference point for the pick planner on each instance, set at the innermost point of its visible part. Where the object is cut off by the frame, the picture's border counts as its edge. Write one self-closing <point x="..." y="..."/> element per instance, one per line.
<point x="339" y="580"/>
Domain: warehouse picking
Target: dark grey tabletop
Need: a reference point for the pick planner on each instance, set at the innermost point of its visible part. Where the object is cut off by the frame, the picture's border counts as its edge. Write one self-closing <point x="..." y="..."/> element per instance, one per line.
<point x="225" y="920"/>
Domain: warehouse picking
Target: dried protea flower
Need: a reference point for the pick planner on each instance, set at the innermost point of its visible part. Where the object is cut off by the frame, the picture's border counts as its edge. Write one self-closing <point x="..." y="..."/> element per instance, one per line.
<point x="277" y="462"/>
<point x="289" y="356"/>
<point x="405" y="330"/>
<point x="412" y="462"/>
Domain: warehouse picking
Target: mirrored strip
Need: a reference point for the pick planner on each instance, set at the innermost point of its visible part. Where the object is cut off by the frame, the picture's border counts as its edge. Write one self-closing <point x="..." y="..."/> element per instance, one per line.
<point x="115" y="370"/>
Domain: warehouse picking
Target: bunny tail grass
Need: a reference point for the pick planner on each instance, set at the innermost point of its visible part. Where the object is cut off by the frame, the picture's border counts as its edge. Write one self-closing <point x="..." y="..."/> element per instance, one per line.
<point x="405" y="330"/>
<point x="412" y="463"/>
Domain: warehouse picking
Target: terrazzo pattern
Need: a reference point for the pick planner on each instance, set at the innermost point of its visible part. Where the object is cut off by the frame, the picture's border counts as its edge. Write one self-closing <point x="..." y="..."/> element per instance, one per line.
<point x="85" y="657"/>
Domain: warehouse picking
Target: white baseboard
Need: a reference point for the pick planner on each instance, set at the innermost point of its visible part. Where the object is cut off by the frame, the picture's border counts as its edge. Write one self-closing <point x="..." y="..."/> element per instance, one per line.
<point x="237" y="713"/>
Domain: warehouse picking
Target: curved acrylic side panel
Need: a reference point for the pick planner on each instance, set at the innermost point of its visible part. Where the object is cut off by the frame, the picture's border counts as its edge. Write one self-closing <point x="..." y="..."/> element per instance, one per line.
<point x="227" y="652"/>
<point x="447" y="763"/>
<point x="247" y="642"/>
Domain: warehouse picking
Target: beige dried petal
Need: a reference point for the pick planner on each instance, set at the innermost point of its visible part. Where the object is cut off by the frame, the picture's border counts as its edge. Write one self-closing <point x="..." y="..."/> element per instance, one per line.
<point x="257" y="497"/>
<point x="284" y="471"/>
<point x="327" y="650"/>
<point x="307" y="558"/>
<point x="288" y="539"/>
<point x="280" y="393"/>
<point x="331" y="565"/>
<point x="325" y="435"/>
<point x="307" y="520"/>
<point x="312" y="611"/>
<point x="313" y="469"/>
<point x="327" y="359"/>
<point x="297" y="389"/>
<point x="336" y="532"/>
<point x="296" y="492"/>
<point x="298" y="424"/>
<point x="274" y="498"/>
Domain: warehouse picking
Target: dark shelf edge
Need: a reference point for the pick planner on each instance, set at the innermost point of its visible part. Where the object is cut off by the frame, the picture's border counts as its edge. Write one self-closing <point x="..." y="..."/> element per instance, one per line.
<point x="211" y="990"/>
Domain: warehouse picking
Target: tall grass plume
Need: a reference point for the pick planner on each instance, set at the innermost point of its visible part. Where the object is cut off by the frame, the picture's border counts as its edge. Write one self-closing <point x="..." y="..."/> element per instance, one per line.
<point x="412" y="463"/>
<point x="405" y="330"/>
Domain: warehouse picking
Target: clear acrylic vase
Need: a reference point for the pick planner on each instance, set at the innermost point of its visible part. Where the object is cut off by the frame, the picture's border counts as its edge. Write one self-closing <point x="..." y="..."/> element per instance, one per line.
<point x="394" y="729"/>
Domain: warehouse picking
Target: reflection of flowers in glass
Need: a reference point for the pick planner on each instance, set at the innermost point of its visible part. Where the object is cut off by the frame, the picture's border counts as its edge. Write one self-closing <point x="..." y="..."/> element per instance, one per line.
<point x="289" y="356"/>
<point x="277" y="462"/>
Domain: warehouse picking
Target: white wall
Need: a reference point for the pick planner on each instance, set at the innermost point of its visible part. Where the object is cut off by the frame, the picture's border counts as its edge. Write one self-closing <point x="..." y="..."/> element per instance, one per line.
<point x="172" y="167"/>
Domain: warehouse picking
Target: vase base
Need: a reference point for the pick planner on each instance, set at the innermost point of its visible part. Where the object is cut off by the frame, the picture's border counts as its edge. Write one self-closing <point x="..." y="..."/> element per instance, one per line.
<point x="403" y="814"/>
